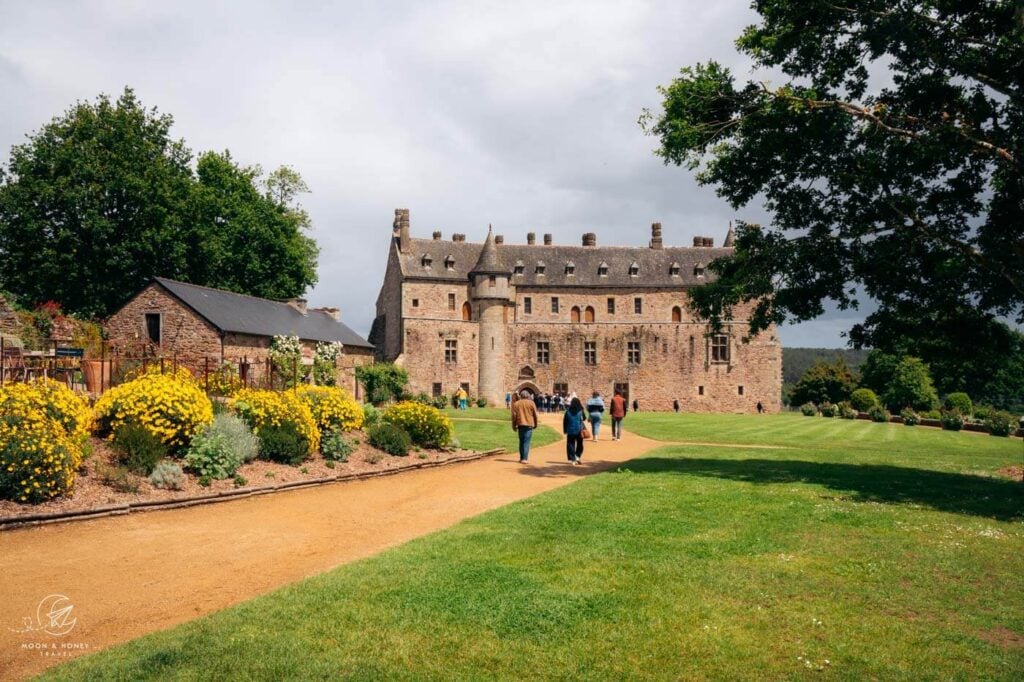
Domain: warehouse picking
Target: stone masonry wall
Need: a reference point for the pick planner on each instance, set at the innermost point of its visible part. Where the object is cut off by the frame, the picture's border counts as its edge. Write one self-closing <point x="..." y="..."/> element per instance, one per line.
<point x="181" y="330"/>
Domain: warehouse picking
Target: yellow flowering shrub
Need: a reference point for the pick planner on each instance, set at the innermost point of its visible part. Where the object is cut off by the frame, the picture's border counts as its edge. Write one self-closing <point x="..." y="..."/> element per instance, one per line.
<point x="170" y="406"/>
<point x="274" y="408"/>
<point x="43" y="427"/>
<point x="332" y="407"/>
<point x="427" y="425"/>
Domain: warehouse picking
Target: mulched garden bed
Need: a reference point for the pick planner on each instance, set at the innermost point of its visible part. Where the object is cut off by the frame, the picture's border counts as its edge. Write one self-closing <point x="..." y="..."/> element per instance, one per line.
<point x="92" y="493"/>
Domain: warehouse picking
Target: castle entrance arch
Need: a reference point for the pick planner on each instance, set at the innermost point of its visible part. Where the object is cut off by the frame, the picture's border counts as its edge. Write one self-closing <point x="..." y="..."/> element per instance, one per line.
<point x="527" y="385"/>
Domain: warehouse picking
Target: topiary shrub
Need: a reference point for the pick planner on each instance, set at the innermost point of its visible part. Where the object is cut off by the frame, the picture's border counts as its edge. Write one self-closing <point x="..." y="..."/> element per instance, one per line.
<point x="878" y="414"/>
<point x="961" y="402"/>
<point x="334" y="446"/>
<point x="170" y="406"/>
<point x="809" y="410"/>
<point x="952" y="420"/>
<point x="332" y="407"/>
<point x="390" y="438"/>
<point x="262" y="409"/>
<point x="137" y="448"/>
<point x="212" y="455"/>
<point x="284" y="443"/>
<point x="167" y="476"/>
<point x="426" y="425"/>
<point x="999" y="423"/>
<point x="863" y="399"/>
<point x="910" y="417"/>
<point x="829" y="410"/>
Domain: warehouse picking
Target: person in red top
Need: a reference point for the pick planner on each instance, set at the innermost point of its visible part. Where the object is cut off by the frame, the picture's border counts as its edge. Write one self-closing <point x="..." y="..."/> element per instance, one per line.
<point x="618" y="412"/>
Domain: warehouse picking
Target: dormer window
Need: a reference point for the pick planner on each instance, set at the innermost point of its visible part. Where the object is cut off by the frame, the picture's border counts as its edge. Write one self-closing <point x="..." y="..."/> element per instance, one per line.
<point x="674" y="269"/>
<point x="518" y="268"/>
<point x="570" y="268"/>
<point x="634" y="270"/>
<point x="540" y="267"/>
<point x="449" y="262"/>
<point x="602" y="269"/>
<point x="426" y="260"/>
<point x="698" y="270"/>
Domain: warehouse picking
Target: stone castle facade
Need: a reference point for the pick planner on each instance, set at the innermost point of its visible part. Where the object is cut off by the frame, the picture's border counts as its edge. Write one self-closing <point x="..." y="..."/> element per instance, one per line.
<point x="497" y="317"/>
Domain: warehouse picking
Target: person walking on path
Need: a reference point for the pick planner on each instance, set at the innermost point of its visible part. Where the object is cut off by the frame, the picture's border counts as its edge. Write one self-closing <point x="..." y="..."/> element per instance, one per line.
<point x="524" y="421"/>
<point x="595" y="408"/>
<point x="462" y="395"/>
<point x="572" y="426"/>
<point x="618" y="413"/>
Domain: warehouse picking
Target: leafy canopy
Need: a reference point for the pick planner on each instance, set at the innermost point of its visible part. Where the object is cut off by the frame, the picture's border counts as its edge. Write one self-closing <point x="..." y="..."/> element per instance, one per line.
<point x="102" y="199"/>
<point x="890" y="159"/>
<point x="824" y="382"/>
<point x="383" y="381"/>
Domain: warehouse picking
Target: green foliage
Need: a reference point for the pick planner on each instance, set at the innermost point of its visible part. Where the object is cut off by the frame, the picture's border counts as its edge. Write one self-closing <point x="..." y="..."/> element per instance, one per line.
<point x="999" y="423"/>
<point x="796" y="361"/>
<point x="383" y="381"/>
<point x="117" y="477"/>
<point x="168" y="476"/>
<point x="481" y="402"/>
<point x="236" y="433"/>
<point x="863" y="399"/>
<point x="325" y="363"/>
<point x="390" y="438"/>
<point x="809" y="410"/>
<point x="284" y="444"/>
<point x="334" y="446"/>
<point x="101" y="199"/>
<point x="427" y="426"/>
<point x="824" y="382"/>
<point x="205" y="481"/>
<point x="891" y="145"/>
<point x="212" y="455"/>
<point x="371" y="415"/>
<point x="240" y="481"/>
<point x="846" y="410"/>
<point x="440" y="402"/>
<point x="952" y="420"/>
<point x="137" y="448"/>
<point x="829" y="410"/>
<point x="878" y="414"/>
<point x="959" y="401"/>
<point x="910" y="417"/>
<point x="911" y="386"/>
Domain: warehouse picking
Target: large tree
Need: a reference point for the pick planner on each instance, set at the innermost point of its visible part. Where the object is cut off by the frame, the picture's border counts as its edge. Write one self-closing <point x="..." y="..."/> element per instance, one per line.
<point x="102" y="199"/>
<point x="884" y="138"/>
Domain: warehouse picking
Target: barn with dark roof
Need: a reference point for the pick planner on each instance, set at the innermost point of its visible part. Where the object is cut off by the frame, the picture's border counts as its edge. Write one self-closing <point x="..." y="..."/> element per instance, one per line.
<point x="495" y="317"/>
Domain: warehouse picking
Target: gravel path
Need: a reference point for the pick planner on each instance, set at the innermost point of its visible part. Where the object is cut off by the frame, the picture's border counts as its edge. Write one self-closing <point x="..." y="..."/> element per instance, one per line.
<point x="130" y="575"/>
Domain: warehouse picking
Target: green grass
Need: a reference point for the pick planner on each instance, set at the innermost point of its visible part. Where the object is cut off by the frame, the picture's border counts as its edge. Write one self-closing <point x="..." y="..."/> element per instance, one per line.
<point x="495" y="413"/>
<point x="858" y="551"/>
<point x="487" y="435"/>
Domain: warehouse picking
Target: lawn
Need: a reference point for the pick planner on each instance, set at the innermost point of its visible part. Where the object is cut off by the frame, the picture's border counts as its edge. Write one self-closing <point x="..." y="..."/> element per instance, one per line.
<point x="495" y="413"/>
<point x="486" y="435"/>
<point x="857" y="551"/>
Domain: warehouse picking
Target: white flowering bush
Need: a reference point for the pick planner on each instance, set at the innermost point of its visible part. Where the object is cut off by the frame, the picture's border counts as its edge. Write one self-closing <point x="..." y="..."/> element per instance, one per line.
<point x="325" y="361"/>
<point x="286" y="356"/>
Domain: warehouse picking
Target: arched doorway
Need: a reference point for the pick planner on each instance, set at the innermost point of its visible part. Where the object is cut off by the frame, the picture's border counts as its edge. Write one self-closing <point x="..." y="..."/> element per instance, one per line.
<point x="527" y="385"/>
<point x="574" y="314"/>
<point x="467" y="312"/>
<point x="677" y="314"/>
<point x="588" y="314"/>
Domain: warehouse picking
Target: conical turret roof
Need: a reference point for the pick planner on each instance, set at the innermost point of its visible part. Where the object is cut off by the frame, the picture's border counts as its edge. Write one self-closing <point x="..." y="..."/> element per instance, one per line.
<point x="489" y="262"/>
<point x="729" y="238"/>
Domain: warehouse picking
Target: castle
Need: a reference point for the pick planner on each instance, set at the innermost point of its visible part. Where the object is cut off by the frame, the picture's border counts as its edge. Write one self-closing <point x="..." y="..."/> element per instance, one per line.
<point x="496" y="317"/>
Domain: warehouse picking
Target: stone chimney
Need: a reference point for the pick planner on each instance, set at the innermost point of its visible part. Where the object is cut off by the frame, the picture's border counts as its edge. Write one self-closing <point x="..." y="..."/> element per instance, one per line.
<point x="589" y="239"/>
<point x="333" y="312"/>
<point x="297" y="303"/>
<point x="499" y="239"/>
<point x="547" y="239"/>
<point x="703" y="242"/>
<point x="436" y="235"/>
<point x="656" y="236"/>
<point x="400" y="229"/>
<point x="709" y="242"/>
<point x="458" y="237"/>
<point x="531" y="238"/>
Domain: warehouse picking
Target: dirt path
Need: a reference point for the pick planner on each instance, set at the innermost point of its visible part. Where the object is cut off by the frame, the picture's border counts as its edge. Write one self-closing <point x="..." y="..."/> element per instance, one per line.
<point x="127" y="576"/>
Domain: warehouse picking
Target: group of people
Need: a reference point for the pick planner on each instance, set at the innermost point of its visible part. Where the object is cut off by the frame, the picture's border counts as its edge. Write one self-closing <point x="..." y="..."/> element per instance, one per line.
<point x="545" y="402"/>
<point x="524" y="408"/>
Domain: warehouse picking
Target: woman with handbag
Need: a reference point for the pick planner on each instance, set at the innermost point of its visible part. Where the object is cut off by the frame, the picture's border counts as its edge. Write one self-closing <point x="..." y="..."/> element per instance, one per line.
<point x="574" y="426"/>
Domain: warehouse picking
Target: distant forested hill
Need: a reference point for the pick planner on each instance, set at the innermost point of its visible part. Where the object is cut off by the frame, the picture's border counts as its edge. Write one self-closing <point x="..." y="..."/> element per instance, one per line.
<point x="795" y="361"/>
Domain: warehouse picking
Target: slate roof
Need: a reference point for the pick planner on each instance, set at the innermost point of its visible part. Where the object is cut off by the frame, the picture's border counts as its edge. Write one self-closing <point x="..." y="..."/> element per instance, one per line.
<point x="231" y="312"/>
<point x="489" y="262"/>
<point x="654" y="265"/>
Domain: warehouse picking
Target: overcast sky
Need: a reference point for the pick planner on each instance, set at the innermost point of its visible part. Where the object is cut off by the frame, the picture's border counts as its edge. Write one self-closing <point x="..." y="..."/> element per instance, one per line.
<point x="519" y="114"/>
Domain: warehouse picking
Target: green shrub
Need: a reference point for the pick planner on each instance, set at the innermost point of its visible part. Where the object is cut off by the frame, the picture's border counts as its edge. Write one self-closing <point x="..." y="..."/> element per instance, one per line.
<point x="117" y="477"/>
<point x="845" y="410"/>
<point x="238" y="436"/>
<point x="240" y="480"/>
<point x="910" y="417"/>
<point x="982" y="412"/>
<point x="829" y="410"/>
<point x="999" y="423"/>
<point x="440" y="402"/>
<point x="863" y="399"/>
<point x="427" y="426"/>
<point x="167" y="476"/>
<point x="205" y="481"/>
<point x="334" y="446"/>
<point x="878" y="414"/>
<point x="283" y="444"/>
<point x="952" y="420"/>
<point x="390" y="438"/>
<point x="809" y="410"/>
<point x="137" y="448"/>
<point x="481" y="402"/>
<point x="371" y="415"/>
<point x="210" y="454"/>
<point x="960" y="402"/>
<point x="931" y="414"/>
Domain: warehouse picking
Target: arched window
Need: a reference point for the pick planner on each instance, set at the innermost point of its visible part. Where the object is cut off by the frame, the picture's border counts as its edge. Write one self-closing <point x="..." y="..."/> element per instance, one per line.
<point x="574" y="314"/>
<point x="588" y="314"/>
<point x="677" y="314"/>
<point x="467" y="312"/>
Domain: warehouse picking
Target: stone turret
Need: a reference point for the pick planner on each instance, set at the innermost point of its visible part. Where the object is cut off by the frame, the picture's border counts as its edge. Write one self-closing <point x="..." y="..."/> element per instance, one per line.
<point x="730" y="239"/>
<point x="493" y="295"/>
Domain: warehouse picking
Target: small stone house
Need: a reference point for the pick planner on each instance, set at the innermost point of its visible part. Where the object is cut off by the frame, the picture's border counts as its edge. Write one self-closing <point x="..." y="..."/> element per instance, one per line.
<point x="201" y="326"/>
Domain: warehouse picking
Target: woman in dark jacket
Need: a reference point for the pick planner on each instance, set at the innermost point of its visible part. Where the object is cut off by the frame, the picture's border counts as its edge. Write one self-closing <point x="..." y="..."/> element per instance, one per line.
<point x="572" y="427"/>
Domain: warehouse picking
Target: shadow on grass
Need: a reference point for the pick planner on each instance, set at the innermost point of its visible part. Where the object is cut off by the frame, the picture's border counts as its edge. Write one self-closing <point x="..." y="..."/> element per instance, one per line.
<point x="943" y="491"/>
